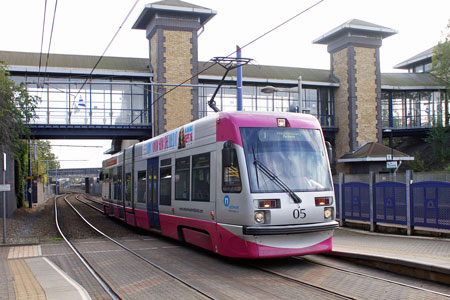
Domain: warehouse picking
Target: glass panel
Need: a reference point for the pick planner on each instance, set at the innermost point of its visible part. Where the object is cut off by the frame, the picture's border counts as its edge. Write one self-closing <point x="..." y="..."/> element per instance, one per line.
<point x="166" y="162"/>
<point x="128" y="187"/>
<point x="118" y="183"/>
<point x="200" y="177"/>
<point x="165" y="193"/>
<point x="182" y="170"/>
<point x="141" y="186"/>
<point x="297" y="156"/>
<point x="231" y="179"/>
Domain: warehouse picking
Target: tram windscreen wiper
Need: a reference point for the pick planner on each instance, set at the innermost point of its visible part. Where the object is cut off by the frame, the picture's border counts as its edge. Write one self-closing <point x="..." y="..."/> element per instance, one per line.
<point x="272" y="176"/>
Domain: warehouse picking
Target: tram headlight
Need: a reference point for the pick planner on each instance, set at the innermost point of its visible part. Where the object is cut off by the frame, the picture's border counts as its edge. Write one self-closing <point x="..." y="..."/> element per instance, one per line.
<point x="259" y="217"/>
<point x="328" y="212"/>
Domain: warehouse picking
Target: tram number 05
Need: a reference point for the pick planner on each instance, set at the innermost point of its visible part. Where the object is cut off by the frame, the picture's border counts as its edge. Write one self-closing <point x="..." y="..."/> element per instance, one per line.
<point x="299" y="213"/>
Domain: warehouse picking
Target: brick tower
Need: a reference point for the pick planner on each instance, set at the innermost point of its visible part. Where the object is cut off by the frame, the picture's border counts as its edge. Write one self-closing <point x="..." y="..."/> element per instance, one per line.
<point x="355" y="63"/>
<point x="171" y="28"/>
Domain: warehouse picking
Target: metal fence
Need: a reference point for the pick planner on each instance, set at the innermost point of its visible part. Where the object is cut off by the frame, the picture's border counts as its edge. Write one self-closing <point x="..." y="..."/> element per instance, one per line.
<point x="378" y="199"/>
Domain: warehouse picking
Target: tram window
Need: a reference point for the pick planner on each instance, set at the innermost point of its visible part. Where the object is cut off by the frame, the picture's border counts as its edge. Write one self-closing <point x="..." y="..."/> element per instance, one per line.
<point x="166" y="162"/>
<point x="165" y="186"/>
<point x="128" y="187"/>
<point x="182" y="170"/>
<point x="231" y="177"/>
<point x="119" y="183"/>
<point x="141" y="186"/>
<point x="200" y="177"/>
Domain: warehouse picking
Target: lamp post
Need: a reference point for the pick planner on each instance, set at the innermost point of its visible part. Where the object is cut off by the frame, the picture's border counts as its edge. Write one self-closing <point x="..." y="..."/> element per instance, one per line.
<point x="272" y="90"/>
<point x="389" y="130"/>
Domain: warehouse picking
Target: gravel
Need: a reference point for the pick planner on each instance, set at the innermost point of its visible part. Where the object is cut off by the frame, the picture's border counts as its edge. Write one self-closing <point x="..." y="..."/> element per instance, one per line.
<point x="31" y="225"/>
<point x="37" y="224"/>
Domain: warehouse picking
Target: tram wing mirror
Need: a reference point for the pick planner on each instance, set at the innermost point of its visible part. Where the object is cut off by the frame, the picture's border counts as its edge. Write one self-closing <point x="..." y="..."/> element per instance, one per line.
<point x="100" y="176"/>
<point x="330" y="151"/>
<point x="227" y="154"/>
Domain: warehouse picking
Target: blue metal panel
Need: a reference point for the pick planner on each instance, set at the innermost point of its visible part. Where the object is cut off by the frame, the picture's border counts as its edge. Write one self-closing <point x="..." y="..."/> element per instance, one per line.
<point x="430" y="204"/>
<point x="356" y="201"/>
<point x="390" y="202"/>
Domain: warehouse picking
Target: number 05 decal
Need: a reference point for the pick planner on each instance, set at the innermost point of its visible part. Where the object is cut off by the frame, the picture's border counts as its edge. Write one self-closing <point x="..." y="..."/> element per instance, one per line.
<point x="299" y="213"/>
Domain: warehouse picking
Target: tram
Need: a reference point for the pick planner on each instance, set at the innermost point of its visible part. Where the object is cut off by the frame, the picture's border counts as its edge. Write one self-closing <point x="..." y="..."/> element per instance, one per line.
<point x="240" y="184"/>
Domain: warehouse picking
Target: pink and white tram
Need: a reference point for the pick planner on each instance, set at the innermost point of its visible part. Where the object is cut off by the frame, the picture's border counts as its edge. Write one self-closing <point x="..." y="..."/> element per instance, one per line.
<point x="241" y="184"/>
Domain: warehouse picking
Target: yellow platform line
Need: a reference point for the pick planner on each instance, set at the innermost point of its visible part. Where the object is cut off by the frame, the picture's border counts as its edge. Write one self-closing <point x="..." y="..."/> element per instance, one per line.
<point x="26" y="286"/>
<point x="24" y="251"/>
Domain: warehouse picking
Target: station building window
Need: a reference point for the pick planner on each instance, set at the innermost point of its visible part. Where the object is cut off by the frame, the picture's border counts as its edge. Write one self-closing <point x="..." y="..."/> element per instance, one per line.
<point x="412" y="109"/>
<point x="318" y="100"/>
<point x="72" y="100"/>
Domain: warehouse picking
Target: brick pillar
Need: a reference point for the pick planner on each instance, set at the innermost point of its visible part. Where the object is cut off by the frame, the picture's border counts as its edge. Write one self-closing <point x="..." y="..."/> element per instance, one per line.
<point x="355" y="63"/>
<point x="171" y="28"/>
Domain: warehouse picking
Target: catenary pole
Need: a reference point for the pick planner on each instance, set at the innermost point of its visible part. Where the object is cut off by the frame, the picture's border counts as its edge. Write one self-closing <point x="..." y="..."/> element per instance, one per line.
<point x="239" y="80"/>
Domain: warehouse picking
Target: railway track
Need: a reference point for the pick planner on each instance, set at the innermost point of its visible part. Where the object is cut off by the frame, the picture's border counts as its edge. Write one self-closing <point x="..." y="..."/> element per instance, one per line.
<point x="307" y="275"/>
<point x="300" y="269"/>
<point x="432" y="293"/>
<point x="102" y="279"/>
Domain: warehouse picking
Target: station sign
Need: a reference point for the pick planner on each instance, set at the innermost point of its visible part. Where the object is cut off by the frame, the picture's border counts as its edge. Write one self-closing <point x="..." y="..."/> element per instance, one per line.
<point x="5" y="187"/>
<point x="391" y="164"/>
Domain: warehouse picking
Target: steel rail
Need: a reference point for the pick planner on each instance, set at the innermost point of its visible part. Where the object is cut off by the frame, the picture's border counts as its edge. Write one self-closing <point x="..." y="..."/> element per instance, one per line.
<point x="292" y="279"/>
<point x="140" y="256"/>
<point x="91" y="270"/>
<point x="88" y="204"/>
<point x="376" y="278"/>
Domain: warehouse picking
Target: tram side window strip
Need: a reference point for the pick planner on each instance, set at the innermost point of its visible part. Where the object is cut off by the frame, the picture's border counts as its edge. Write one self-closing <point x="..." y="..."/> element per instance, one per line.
<point x="165" y="194"/>
<point x="128" y="187"/>
<point x="141" y="185"/>
<point x="182" y="172"/>
<point x="201" y="177"/>
<point x="166" y="162"/>
<point x="231" y="177"/>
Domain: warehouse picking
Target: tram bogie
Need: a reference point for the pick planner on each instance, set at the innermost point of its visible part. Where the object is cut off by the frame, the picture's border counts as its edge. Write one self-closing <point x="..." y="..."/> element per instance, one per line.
<point x="250" y="185"/>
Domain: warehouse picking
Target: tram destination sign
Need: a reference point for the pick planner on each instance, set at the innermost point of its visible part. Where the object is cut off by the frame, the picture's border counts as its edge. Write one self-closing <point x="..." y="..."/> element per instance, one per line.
<point x="5" y="187"/>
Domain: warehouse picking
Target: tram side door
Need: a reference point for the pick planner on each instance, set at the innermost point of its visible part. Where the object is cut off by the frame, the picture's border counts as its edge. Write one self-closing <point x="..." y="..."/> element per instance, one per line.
<point x="152" y="195"/>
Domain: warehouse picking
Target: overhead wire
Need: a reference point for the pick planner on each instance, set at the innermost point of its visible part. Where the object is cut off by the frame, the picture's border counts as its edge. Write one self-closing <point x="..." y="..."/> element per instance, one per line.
<point x="246" y="45"/>
<point x="42" y="42"/>
<point x="107" y="47"/>
<point x="51" y="36"/>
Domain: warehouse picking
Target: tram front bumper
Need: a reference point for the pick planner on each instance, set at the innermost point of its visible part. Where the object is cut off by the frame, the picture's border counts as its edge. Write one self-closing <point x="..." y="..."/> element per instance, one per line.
<point x="289" y="229"/>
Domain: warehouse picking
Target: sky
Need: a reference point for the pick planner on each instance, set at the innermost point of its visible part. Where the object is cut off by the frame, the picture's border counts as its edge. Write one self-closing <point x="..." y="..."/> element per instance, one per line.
<point x="86" y="27"/>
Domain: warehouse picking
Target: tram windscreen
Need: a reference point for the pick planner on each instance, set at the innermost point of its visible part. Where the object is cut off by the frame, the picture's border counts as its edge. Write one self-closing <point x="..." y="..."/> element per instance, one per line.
<point x="296" y="156"/>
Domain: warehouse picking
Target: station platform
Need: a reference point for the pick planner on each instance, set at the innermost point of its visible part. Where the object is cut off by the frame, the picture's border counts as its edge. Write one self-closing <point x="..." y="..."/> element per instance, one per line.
<point x="413" y="255"/>
<point x="29" y="273"/>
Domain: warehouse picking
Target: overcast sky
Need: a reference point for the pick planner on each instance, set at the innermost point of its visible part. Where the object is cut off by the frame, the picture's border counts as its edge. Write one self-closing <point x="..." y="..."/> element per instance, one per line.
<point x="87" y="26"/>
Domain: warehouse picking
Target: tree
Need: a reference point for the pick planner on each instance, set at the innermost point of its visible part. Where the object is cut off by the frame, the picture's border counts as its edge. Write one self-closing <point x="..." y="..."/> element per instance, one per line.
<point x="16" y="106"/>
<point x="441" y="67"/>
<point x="439" y="139"/>
<point x="44" y="154"/>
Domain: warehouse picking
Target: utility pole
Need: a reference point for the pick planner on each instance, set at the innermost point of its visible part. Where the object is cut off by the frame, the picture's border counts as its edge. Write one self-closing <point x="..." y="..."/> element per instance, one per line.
<point x="239" y="80"/>
<point x="30" y="178"/>
<point x="4" y="197"/>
